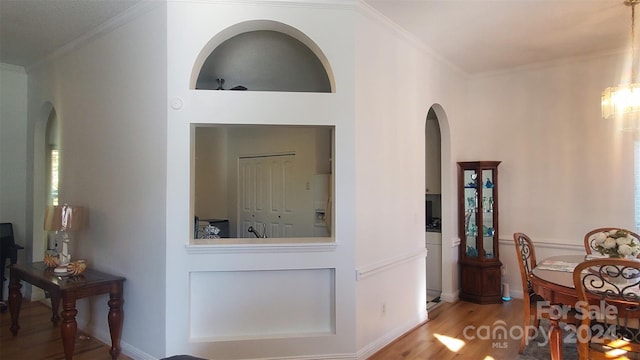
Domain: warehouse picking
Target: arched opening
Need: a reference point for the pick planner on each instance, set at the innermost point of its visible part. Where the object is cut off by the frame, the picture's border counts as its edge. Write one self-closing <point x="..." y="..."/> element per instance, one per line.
<point x="448" y="225"/>
<point x="46" y="139"/>
<point x="433" y="209"/>
<point x="52" y="170"/>
<point x="262" y="56"/>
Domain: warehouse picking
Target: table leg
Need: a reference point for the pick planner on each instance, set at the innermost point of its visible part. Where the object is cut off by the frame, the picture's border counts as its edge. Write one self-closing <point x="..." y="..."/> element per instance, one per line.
<point x="55" y="305"/>
<point x="15" y="302"/>
<point x="115" y="318"/>
<point x="69" y="326"/>
<point x="555" y="338"/>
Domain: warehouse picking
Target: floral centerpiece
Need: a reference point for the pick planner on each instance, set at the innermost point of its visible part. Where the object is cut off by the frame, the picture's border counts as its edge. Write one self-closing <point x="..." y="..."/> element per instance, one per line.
<point x="616" y="243"/>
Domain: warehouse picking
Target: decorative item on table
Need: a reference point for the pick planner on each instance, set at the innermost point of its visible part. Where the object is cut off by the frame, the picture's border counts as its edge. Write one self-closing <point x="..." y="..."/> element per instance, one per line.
<point x="616" y="244"/>
<point x="62" y="219"/>
<point x="51" y="261"/>
<point x="77" y="267"/>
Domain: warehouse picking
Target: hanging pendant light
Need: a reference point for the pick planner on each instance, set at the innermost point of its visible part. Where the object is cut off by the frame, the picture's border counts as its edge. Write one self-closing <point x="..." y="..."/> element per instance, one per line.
<point x="623" y="101"/>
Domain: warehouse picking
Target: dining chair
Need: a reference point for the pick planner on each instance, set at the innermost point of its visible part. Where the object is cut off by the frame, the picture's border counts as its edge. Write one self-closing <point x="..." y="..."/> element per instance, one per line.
<point x="589" y="238"/>
<point x="608" y="291"/>
<point x="526" y="255"/>
<point x="8" y="251"/>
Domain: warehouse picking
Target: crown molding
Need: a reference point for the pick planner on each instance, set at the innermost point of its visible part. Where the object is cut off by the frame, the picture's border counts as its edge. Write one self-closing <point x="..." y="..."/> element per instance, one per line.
<point x="13" y="68"/>
<point x="127" y="16"/>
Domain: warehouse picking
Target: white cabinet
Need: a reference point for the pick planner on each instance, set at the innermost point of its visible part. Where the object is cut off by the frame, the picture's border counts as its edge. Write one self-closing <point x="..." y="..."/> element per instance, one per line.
<point x="434" y="263"/>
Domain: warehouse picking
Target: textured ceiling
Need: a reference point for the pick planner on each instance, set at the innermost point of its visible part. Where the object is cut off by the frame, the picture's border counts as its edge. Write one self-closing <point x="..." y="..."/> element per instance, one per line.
<point x="488" y="35"/>
<point x="33" y="29"/>
<point x="475" y="35"/>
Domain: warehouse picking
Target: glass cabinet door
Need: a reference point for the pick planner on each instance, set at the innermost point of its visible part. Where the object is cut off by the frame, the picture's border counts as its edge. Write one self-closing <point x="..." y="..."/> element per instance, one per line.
<point x="471" y="210"/>
<point x="479" y="221"/>
<point x="488" y="221"/>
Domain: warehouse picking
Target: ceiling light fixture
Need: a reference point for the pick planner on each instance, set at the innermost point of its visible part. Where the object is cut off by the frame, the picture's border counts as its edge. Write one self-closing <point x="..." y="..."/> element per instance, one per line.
<point x="623" y="101"/>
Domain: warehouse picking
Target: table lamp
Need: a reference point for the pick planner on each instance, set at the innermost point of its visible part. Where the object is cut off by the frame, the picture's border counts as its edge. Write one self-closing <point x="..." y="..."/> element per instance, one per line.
<point x="63" y="219"/>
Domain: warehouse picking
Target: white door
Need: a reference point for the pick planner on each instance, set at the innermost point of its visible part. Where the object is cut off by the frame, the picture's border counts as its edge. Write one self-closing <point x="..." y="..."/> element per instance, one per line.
<point x="267" y="196"/>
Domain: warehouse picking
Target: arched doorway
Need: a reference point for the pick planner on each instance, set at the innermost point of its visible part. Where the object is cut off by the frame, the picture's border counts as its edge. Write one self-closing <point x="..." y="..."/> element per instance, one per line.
<point x="433" y="208"/>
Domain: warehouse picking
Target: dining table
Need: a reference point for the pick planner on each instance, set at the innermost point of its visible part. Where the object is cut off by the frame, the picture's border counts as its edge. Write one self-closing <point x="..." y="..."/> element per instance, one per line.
<point x="552" y="279"/>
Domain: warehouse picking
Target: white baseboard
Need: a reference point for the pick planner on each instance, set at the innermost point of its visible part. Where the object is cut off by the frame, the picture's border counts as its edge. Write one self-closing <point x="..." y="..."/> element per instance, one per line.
<point x="126" y="349"/>
<point x="450" y="297"/>
<point x="388" y="338"/>
<point x="135" y="353"/>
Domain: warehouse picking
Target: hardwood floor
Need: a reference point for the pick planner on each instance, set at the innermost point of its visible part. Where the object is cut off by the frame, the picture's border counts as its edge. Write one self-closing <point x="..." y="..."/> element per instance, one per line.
<point x="38" y="339"/>
<point x="448" y="322"/>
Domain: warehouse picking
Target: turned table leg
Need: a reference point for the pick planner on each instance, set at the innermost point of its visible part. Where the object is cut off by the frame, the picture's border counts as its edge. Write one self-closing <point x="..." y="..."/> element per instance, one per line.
<point x="15" y="302"/>
<point x="115" y="318"/>
<point x="55" y="305"/>
<point x="69" y="326"/>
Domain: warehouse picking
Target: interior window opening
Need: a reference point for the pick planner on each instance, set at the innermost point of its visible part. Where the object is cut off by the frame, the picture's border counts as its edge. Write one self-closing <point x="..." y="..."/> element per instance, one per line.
<point x="262" y="181"/>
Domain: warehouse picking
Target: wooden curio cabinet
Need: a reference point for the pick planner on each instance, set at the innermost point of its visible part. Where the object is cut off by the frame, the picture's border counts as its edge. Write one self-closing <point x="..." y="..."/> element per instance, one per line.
<point x="480" y="267"/>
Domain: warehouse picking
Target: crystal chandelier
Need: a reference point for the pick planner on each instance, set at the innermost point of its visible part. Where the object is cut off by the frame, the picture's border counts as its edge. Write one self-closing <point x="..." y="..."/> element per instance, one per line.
<point x="623" y="101"/>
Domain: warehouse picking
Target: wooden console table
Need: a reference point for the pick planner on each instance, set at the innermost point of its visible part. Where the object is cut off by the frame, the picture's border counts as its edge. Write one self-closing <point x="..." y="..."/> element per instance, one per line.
<point x="69" y="289"/>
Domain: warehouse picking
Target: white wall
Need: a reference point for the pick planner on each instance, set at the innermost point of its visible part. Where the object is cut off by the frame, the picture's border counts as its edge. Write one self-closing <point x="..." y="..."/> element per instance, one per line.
<point x="13" y="154"/>
<point x="194" y="29"/>
<point x="210" y="183"/>
<point x="109" y="96"/>
<point x="397" y="82"/>
<point x="564" y="170"/>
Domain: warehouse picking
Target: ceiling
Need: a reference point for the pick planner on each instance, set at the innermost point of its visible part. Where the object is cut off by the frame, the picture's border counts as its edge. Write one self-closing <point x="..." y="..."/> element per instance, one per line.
<point x="32" y="29"/>
<point x="475" y="35"/>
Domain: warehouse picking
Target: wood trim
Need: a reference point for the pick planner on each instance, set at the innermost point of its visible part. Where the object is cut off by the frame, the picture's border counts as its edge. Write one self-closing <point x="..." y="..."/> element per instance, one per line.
<point x="247" y="248"/>
<point x="386" y="264"/>
<point x="548" y="243"/>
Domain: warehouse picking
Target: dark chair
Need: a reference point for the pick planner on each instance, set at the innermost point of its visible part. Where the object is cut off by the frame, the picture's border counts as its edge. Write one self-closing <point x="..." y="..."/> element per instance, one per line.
<point x="526" y="255"/>
<point x="590" y="237"/>
<point x="8" y="250"/>
<point x="609" y="297"/>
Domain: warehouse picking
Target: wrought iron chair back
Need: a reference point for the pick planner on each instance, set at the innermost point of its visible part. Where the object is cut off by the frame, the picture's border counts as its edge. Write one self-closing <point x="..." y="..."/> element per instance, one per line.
<point x="609" y="302"/>
<point x="526" y="260"/>
<point x="526" y="255"/>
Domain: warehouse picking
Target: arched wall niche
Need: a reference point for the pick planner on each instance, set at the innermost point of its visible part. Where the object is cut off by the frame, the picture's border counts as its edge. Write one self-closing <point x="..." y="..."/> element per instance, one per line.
<point x="262" y="55"/>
